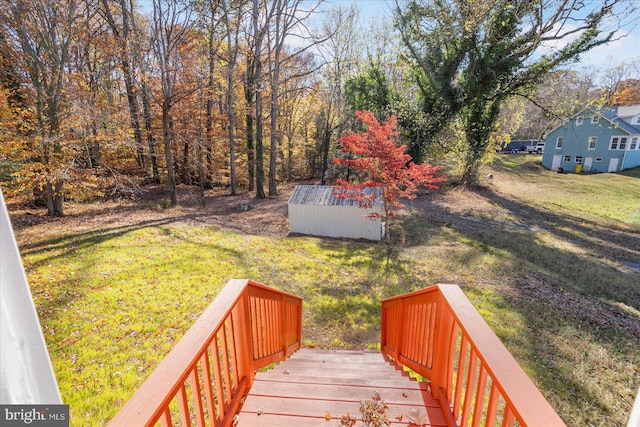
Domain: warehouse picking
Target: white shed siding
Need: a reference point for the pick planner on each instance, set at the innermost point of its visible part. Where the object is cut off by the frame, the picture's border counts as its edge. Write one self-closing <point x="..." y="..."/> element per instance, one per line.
<point x="316" y="211"/>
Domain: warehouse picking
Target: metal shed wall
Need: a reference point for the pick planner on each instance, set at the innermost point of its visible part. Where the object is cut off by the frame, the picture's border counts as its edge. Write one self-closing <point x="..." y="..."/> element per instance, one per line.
<point x="316" y="211"/>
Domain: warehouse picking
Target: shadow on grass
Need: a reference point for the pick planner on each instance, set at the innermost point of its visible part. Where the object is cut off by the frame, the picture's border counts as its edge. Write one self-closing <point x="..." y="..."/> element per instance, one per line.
<point x="591" y="259"/>
<point x="66" y="291"/>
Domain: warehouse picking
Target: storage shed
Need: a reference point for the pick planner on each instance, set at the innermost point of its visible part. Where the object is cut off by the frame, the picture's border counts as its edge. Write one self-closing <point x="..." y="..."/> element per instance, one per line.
<point x="315" y="210"/>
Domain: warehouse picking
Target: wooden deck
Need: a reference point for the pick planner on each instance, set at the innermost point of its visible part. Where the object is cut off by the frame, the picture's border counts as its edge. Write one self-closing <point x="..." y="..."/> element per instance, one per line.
<point x="312" y="383"/>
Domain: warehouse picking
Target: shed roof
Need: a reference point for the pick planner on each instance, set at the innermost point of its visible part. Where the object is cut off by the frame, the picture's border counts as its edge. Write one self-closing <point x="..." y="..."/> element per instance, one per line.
<point x="325" y="195"/>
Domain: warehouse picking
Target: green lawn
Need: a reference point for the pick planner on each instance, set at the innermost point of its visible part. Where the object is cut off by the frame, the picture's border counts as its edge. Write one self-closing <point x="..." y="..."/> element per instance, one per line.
<point x="114" y="301"/>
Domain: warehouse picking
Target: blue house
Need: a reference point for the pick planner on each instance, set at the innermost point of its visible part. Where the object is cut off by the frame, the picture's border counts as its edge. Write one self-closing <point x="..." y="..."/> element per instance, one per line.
<point x="595" y="140"/>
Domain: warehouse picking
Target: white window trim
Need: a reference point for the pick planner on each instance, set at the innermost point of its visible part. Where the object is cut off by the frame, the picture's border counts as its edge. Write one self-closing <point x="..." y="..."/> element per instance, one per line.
<point x="591" y="139"/>
<point x="559" y="143"/>
<point x="626" y="143"/>
<point x="597" y="159"/>
<point x="581" y="159"/>
<point x="579" y="120"/>
<point x="635" y="140"/>
<point x="595" y="119"/>
<point x="617" y="138"/>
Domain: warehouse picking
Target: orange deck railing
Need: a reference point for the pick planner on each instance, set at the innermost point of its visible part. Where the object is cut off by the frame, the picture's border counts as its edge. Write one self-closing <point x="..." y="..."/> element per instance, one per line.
<point x="437" y="333"/>
<point x="248" y="326"/>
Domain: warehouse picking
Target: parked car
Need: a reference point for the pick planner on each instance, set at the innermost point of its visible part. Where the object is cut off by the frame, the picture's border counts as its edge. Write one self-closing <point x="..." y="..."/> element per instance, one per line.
<point x="538" y="148"/>
<point x="515" y="147"/>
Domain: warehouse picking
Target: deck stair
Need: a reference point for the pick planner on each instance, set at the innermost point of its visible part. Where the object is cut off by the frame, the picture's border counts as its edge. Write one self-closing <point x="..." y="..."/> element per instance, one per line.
<point x="216" y="374"/>
<point x="312" y="383"/>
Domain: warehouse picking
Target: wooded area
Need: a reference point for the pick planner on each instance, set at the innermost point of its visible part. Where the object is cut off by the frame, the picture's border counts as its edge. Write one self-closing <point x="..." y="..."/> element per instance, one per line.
<point x="101" y="97"/>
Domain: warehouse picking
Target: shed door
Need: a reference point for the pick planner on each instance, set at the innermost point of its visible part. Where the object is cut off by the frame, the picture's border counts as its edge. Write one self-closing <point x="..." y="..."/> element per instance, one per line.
<point x="613" y="164"/>
<point x="555" y="164"/>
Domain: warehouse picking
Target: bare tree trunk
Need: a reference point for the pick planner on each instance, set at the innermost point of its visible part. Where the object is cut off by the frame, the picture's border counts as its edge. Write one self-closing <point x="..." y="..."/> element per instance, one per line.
<point x="257" y="57"/>
<point x="326" y="143"/>
<point x="186" y="176"/>
<point x="155" y="175"/>
<point x="232" y="46"/>
<point x="123" y="35"/>
<point x="171" y="26"/>
<point x="259" y="150"/>
<point x="249" y="94"/>
<point x="166" y="119"/>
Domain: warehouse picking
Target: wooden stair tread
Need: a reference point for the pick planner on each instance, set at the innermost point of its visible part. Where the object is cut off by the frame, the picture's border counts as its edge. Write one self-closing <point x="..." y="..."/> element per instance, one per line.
<point x="312" y="382"/>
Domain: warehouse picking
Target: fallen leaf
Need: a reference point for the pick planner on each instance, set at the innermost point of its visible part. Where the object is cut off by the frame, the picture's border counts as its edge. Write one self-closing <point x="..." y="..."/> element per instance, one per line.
<point x="327" y="416"/>
<point x="415" y="417"/>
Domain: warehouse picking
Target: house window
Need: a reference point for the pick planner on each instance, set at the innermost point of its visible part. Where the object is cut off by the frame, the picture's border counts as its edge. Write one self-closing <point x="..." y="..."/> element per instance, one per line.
<point x="578" y="159"/>
<point x="623" y="143"/>
<point x="567" y="158"/>
<point x="592" y="142"/>
<point x="614" y="143"/>
<point x="597" y="159"/>
<point x="559" y="142"/>
<point x="579" y="120"/>
<point x="634" y="143"/>
<point x="595" y="119"/>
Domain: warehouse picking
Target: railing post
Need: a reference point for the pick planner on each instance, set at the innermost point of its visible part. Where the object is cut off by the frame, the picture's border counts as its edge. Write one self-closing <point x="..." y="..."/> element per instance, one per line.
<point x="244" y="338"/>
<point x="442" y="359"/>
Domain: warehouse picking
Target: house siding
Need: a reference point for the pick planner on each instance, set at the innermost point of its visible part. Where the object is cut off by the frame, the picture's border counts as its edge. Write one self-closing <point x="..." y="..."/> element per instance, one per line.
<point x="576" y="137"/>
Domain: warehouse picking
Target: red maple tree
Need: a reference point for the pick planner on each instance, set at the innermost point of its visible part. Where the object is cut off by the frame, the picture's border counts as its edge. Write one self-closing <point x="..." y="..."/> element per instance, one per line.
<point x="376" y="153"/>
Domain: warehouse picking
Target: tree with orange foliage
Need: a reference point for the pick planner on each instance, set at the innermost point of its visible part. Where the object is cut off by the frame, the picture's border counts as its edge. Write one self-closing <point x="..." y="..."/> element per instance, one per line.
<point x="627" y="92"/>
<point x="376" y="153"/>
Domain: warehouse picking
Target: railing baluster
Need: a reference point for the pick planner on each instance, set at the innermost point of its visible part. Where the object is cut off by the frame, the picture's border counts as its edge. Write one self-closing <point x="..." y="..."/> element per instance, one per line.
<point x="424" y="342"/>
<point x="225" y="365"/>
<point x="166" y="418"/>
<point x="492" y="406"/>
<point x="257" y="328"/>
<point x="208" y="388"/>
<point x="432" y="334"/>
<point x="509" y="418"/>
<point x="218" y="374"/>
<point x="480" y="395"/>
<point x="419" y="352"/>
<point x="273" y="318"/>
<point x="196" y="395"/>
<point x="264" y="327"/>
<point x="233" y="356"/>
<point x="470" y="387"/>
<point x="412" y="344"/>
<point x="184" y="407"/>
<point x="462" y="360"/>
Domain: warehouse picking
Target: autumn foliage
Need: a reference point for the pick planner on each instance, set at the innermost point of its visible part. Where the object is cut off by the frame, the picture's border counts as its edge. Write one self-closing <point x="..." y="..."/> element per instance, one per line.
<point x="376" y="153"/>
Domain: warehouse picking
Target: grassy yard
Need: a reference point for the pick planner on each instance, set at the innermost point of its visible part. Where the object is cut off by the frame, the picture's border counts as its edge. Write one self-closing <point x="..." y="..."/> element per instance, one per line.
<point x="550" y="261"/>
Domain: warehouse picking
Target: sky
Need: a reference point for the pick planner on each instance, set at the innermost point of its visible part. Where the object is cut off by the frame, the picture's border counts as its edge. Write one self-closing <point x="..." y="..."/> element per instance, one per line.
<point x="626" y="47"/>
